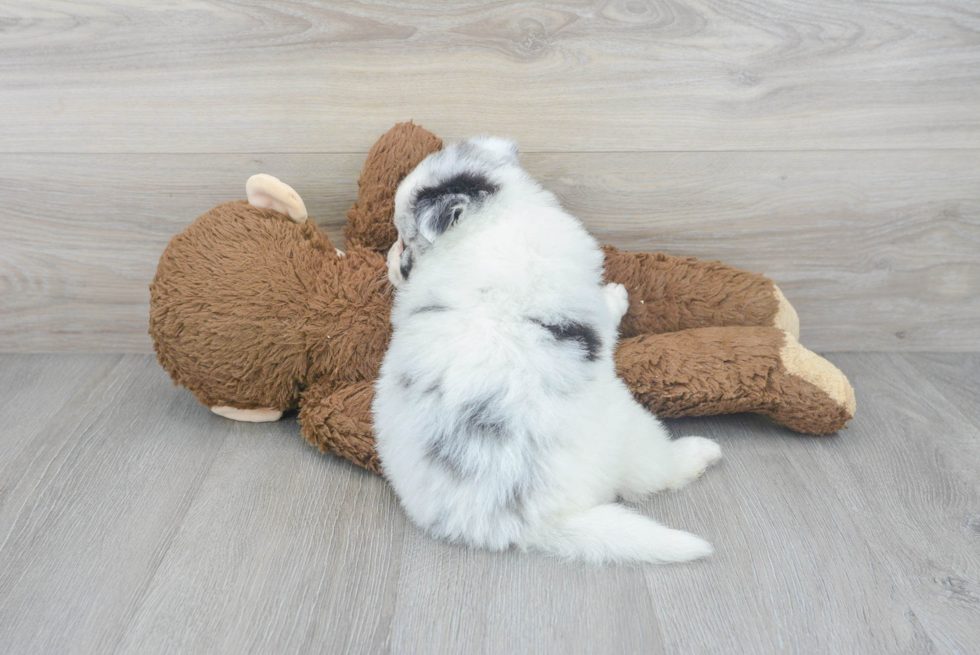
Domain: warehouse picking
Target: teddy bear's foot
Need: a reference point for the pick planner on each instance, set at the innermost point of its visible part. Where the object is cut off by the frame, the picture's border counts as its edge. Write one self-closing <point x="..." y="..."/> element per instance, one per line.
<point x="259" y="415"/>
<point x="706" y="371"/>
<point x="814" y="396"/>
<point x="785" y="318"/>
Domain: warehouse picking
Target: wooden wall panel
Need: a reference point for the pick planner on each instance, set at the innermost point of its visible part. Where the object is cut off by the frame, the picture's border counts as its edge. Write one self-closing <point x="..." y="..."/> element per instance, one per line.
<point x="559" y="76"/>
<point x="877" y="250"/>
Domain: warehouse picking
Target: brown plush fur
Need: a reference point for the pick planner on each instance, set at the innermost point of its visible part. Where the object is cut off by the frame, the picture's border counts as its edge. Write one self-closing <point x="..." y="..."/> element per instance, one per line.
<point x="248" y="309"/>
<point x="391" y="158"/>
<point x="251" y="310"/>
<point x="668" y="294"/>
<point x="724" y="370"/>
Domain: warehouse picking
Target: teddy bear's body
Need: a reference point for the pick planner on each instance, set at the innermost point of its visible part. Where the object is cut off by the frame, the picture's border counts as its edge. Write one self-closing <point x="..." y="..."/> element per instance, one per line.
<point x="255" y="312"/>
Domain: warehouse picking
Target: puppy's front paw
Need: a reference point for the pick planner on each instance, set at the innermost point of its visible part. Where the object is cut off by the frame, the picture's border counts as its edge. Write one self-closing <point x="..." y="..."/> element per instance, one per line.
<point x="617" y="298"/>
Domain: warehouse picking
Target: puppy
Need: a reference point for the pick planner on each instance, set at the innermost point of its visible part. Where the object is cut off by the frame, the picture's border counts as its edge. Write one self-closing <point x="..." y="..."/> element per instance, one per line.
<point x="498" y="414"/>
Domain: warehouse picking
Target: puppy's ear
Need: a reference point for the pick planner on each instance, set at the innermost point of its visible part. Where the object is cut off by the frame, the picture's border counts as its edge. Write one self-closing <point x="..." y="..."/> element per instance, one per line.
<point x="440" y="206"/>
<point x="435" y="216"/>
<point x="504" y="149"/>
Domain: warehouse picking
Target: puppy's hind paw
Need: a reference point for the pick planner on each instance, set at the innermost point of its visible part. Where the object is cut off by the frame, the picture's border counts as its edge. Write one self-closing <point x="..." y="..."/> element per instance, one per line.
<point x="692" y="455"/>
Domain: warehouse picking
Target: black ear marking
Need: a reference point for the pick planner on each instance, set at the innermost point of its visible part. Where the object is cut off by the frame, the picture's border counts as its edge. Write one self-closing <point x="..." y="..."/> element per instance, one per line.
<point x="440" y="206"/>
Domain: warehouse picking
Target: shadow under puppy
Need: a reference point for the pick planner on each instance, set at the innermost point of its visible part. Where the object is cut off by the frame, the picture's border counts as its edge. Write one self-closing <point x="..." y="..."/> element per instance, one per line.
<point x="499" y="416"/>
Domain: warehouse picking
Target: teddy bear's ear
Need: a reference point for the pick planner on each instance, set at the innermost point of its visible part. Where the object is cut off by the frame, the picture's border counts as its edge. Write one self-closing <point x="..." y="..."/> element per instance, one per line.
<point x="268" y="192"/>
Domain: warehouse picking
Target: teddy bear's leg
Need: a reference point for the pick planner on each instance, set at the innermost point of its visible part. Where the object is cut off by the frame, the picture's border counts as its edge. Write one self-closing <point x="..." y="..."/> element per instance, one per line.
<point x="668" y="294"/>
<point x="393" y="156"/>
<point x="260" y="415"/>
<point x="709" y="371"/>
<point x="338" y="420"/>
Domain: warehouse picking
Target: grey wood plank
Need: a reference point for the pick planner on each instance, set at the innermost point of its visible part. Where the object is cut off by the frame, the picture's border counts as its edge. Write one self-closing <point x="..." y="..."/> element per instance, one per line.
<point x="452" y="599"/>
<point x="792" y="570"/>
<point x="910" y="478"/>
<point x="923" y="488"/>
<point x="559" y="76"/>
<point x="877" y="250"/>
<point x="34" y="387"/>
<point x="283" y="550"/>
<point x="956" y="376"/>
<point x="136" y="521"/>
<point x="91" y="502"/>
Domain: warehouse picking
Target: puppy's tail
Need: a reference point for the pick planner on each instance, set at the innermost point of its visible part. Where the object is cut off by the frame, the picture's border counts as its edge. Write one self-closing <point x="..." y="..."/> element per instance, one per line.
<point x="613" y="533"/>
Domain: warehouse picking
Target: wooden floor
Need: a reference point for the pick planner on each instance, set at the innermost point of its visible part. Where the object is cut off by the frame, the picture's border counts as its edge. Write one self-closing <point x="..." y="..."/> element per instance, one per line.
<point x="132" y="520"/>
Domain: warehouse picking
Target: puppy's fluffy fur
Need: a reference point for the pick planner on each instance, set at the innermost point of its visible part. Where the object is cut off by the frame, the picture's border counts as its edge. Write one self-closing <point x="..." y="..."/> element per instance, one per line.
<point x="498" y="414"/>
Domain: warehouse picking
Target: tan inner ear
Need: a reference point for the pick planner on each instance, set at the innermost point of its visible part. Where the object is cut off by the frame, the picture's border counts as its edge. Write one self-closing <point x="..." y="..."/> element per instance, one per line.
<point x="268" y="192"/>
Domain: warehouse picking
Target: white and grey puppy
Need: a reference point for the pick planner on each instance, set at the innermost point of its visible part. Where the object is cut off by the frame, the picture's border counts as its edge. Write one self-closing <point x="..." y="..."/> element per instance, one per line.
<point x="498" y="414"/>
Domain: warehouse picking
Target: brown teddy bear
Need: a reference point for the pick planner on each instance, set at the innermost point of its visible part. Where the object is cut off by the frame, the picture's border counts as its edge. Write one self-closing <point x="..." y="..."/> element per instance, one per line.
<point x="255" y="312"/>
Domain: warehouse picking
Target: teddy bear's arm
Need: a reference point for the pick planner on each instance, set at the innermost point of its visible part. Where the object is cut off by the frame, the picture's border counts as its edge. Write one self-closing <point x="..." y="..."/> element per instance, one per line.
<point x="391" y="158"/>
<point x="709" y="371"/>
<point x="338" y="420"/>
<point x="677" y="293"/>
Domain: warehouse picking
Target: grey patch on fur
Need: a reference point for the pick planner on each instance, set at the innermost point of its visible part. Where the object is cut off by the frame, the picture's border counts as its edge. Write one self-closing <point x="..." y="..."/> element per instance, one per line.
<point x="429" y="308"/>
<point x="479" y="426"/>
<point x="440" y="453"/>
<point x="405" y="382"/>
<point x="515" y="500"/>
<point x="435" y="387"/>
<point x="569" y="331"/>
<point x="514" y="503"/>
<point x="482" y="419"/>
<point x="406" y="264"/>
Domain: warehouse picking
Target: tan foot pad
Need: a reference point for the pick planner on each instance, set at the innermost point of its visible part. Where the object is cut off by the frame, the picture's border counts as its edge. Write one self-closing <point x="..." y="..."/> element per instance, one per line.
<point x="261" y="415"/>
<point x="816" y="370"/>
<point x="786" y="318"/>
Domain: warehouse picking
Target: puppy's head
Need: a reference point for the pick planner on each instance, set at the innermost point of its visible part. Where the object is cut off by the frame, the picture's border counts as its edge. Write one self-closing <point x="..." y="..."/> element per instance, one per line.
<point x="442" y="190"/>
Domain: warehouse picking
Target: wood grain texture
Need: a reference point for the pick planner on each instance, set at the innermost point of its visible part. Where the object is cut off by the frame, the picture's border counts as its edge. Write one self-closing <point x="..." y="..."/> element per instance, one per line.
<point x="82" y="240"/>
<point x="877" y="250"/>
<point x="92" y="499"/>
<point x="559" y="76"/>
<point x="133" y="520"/>
<point x="284" y="550"/>
<point x="955" y="375"/>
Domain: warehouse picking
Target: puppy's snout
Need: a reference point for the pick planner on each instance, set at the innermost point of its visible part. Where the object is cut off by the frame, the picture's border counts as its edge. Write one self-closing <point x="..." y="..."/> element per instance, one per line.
<point x="396" y="250"/>
<point x="394" y="261"/>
